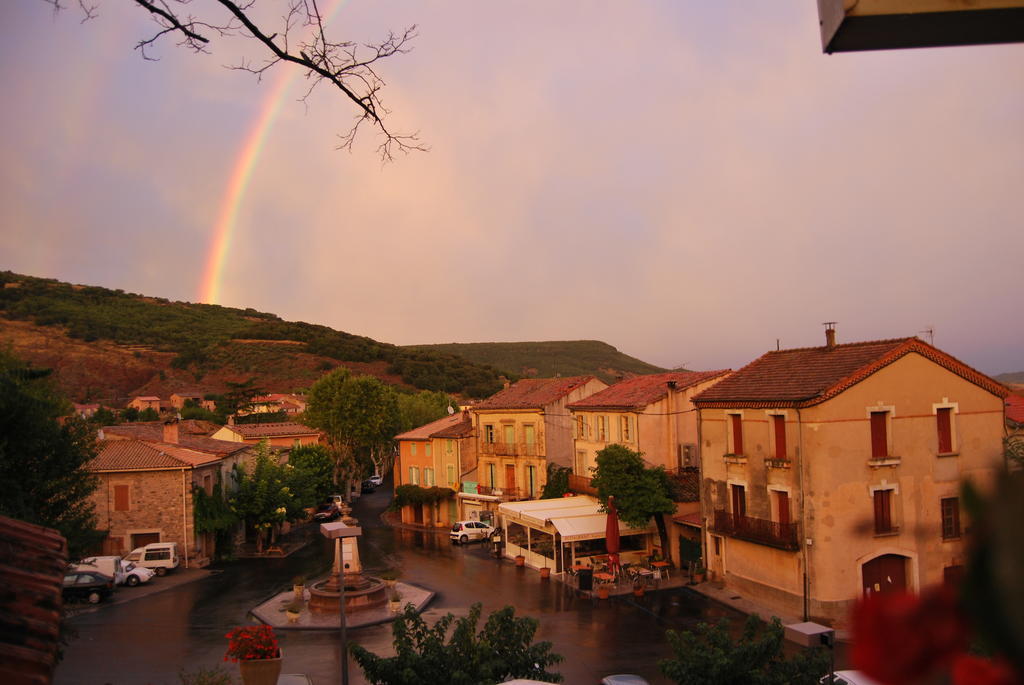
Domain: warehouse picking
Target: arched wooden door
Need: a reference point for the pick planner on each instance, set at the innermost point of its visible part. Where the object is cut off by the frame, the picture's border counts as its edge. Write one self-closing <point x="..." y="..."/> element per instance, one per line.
<point x="887" y="573"/>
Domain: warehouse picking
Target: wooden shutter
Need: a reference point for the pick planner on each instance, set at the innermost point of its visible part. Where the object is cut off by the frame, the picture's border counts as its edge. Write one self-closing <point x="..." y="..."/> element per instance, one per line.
<point x="944" y="421"/>
<point x="883" y="517"/>
<point x="879" y="439"/>
<point x="737" y="433"/>
<point x="739" y="501"/>
<point x="783" y="502"/>
<point x="779" y="422"/>
<point x="122" y="497"/>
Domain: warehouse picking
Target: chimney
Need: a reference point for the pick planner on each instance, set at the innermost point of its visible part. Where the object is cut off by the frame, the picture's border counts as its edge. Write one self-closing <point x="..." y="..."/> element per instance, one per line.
<point x="231" y="419"/>
<point x="171" y="432"/>
<point x="830" y="334"/>
<point x="505" y="382"/>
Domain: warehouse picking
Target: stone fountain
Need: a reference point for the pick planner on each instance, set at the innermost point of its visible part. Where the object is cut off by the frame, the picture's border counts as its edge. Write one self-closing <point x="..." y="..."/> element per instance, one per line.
<point x="362" y="592"/>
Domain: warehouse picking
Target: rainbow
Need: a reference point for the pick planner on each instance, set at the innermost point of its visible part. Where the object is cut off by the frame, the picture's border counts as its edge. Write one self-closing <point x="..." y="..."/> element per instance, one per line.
<point x="238" y="181"/>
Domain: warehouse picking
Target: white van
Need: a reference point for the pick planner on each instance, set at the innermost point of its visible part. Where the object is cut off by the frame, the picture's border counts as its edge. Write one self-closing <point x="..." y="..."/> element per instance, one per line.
<point x="108" y="566"/>
<point x="159" y="556"/>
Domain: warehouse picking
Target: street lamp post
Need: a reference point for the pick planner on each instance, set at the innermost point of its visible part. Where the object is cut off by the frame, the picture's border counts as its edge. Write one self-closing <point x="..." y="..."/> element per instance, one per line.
<point x="337" y="531"/>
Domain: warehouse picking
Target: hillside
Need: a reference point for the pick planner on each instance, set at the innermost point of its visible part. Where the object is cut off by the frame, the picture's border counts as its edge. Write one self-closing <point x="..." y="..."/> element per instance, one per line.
<point x="546" y="359"/>
<point x="108" y="344"/>
<point x="1014" y="378"/>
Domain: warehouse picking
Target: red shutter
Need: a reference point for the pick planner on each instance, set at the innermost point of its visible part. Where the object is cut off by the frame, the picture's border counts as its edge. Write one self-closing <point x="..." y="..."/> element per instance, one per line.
<point x="739" y="501"/>
<point x="883" y="520"/>
<point x="737" y="433"/>
<point x="783" y="501"/>
<point x="121" y="498"/>
<point x="943" y="418"/>
<point x="879" y="440"/>
<point x="780" y="436"/>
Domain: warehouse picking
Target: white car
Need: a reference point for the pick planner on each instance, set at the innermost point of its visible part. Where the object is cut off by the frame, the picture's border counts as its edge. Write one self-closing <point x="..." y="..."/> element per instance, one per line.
<point x="849" y="678"/>
<point x="134" y="575"/>
<point x="464" y="531"/>
<point x="376" y="479"/>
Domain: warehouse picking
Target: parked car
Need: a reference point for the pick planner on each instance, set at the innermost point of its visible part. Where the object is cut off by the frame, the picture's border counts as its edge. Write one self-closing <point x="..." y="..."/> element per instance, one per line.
<point x="87" y="586"/>
<point x="624" y="679"/>
<point x="464" y="531"/>
<point x="327" y="512"/>
<point x="134" y="575"/>
<point x="376" y="479"/>
<point x="159" y="556"/>
<point x="367" y="487"/>
<point x="112" y="566"/>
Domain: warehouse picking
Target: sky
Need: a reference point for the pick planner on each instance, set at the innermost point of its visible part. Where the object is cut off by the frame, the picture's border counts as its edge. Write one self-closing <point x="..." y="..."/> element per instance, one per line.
<point x="688" y="181"/>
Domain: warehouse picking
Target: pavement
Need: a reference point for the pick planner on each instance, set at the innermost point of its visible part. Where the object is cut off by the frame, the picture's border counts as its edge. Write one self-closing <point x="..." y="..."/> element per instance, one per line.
<point x="124" y="594"/>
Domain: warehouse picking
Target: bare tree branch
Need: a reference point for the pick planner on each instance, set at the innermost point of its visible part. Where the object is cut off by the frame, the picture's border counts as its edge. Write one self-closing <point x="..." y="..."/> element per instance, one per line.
<point x="302" y="41"/>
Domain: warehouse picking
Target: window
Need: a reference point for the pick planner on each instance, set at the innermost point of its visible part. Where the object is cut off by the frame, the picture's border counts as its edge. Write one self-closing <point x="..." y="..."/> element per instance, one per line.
<point x="602" y="428"/>
<point x="625" y="429"/>
<point x="428" y="449"/>
<point x="950" y="518"/>
<point x="489" y="433"/>
<point x="414" y="475"/>
<point x="449" y="446"/>
<point x="879" y="434"/>
<point x="581" y="427"/>
<point x="122" y="497"/>
<point x="686" y="455"/>
<point x="944" y="425"/>
<point x="739" y="500"/>
<point x="412" y="449"/>
<point x="581" y="462"/>
<point x="883" y="512"/>
<point x="718" y="545"/>
<point x="736" y="432"/>
<point x="492" y="475"/>
<point x="782" y="507"/>
<point x="529" y="434"/>
<point x="779" y="426"/>
<point x="451" y="474"/>
<point x="428" y="477"/>
<point x="510" y="435"/>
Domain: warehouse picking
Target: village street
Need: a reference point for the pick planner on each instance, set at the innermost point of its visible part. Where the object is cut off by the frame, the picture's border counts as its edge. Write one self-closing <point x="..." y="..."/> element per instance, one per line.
<point x="152" y="638"/>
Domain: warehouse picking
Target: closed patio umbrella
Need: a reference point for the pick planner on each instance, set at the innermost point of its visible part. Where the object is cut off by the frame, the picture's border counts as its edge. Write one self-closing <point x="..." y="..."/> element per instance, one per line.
<point x="611" y="537"/>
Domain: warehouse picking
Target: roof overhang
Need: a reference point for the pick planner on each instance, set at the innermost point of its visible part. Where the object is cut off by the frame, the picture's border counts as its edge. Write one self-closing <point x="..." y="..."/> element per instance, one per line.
<point x="574" y="518"/>
<point x="855" y="25"/>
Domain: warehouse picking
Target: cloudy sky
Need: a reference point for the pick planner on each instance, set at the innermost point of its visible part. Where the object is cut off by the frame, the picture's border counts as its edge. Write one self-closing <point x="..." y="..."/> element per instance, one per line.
<point x="687" y="181"/>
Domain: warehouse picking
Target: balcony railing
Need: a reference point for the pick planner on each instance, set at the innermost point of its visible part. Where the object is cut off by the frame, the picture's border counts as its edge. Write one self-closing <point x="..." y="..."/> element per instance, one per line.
<point x="506" y="494"/>
<point x="761" y="531"/>
<point x="511" y="449"/>
<point x="581" y="485"/>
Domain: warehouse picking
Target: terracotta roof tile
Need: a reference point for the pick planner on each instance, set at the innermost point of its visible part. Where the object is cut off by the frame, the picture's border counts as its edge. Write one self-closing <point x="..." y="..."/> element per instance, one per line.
<point x="810" y="375"/>
<point x="640" y="391"/>
<point x="135" y="455"/>
<point x="32" y="565"/>
<point x="429" y="430"/>
<point x="533" y="393"/>
<point x="154" y="432"/>
<point x="1015" y="409"/>
<point x="272" y="430"/>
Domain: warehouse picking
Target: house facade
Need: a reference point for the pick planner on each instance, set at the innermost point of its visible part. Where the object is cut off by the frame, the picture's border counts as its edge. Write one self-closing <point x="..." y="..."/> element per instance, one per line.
<point x="430" y="456"/>
<point x="278" y="434"/>
<point x="143" y="402"/>
<point x="834" y="472"/>
<point x="521" y="429"/>
<point x="651" y="414"/>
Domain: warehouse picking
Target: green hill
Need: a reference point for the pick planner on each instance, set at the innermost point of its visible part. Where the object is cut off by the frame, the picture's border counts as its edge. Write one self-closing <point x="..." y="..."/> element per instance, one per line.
<point x="547" y="359"/>
<point x="1014" y="378"/>
<point x="201" y="339"/>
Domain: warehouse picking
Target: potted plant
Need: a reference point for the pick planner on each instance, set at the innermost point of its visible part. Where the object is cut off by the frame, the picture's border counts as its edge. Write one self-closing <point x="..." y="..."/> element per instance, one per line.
<point x="394" y="601"/>
<point x="638" y="587"/>
<point x="699" y="573"/>
<point x="520" y="560"/>
<point x="390" y="577"/>
<point x="545" y="572"/>
<point x="293" y="610"/>
<point x="602" y="591"/>
<point x="257" y="653"/>
<point x="299" y="586"/>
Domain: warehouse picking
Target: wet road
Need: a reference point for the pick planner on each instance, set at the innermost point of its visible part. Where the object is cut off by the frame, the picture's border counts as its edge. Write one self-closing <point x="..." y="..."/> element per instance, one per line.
<point x="150" y="640"/>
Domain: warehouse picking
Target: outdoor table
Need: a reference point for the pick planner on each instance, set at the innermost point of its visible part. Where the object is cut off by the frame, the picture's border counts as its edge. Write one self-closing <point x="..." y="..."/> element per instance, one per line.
<point x="604" y="577"/>
<point x="661" y="567"/>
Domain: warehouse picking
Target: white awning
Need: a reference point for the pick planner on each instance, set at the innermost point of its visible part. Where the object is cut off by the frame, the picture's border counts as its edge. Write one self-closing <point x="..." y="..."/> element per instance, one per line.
<point x="575" y="518"/>
<point x="593" y="527"/>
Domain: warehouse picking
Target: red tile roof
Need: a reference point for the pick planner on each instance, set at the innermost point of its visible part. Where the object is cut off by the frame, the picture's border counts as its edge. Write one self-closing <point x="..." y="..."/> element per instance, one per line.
<point x="533" y="393"/>
<point x="135" y="455"/>
<point x="462" y="429"/>
<point x="31" y="573"/>
<point x="154" y="432"/>
<point x="281" y="429"/>
<point x="640" y="391"/>
<point x="429" y="430"/>
<point x="1015" y="409"/>
<point x="808" y="376"/>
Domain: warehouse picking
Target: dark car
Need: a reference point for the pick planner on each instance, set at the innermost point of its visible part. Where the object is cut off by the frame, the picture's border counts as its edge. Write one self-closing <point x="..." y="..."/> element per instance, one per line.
<point x="87" y="586"/>
<point x="327" y="512"/>
<point x="368" y="487"/>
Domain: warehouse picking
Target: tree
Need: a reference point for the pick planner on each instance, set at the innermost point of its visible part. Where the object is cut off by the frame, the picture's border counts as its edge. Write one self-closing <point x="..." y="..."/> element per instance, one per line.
<point x="149" y="414"/>
<point x="264" y="498"/>
<point x="310" y="470"/>
<point x="103" y="417"/>
<point x="360" y="417"/>
<point x="558" y="481"/>
<point x="424" y="407"/>
<point x="640" y="492"/>
<point x="503" y="650"/>
<point x="43" y="456"/>
<point x="709" y="655"/>
<point x="300" y="38"/>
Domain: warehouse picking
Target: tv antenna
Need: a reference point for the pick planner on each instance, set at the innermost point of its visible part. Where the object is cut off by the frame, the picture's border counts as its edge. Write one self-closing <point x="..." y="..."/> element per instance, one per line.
<point x="930" y="332"/>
